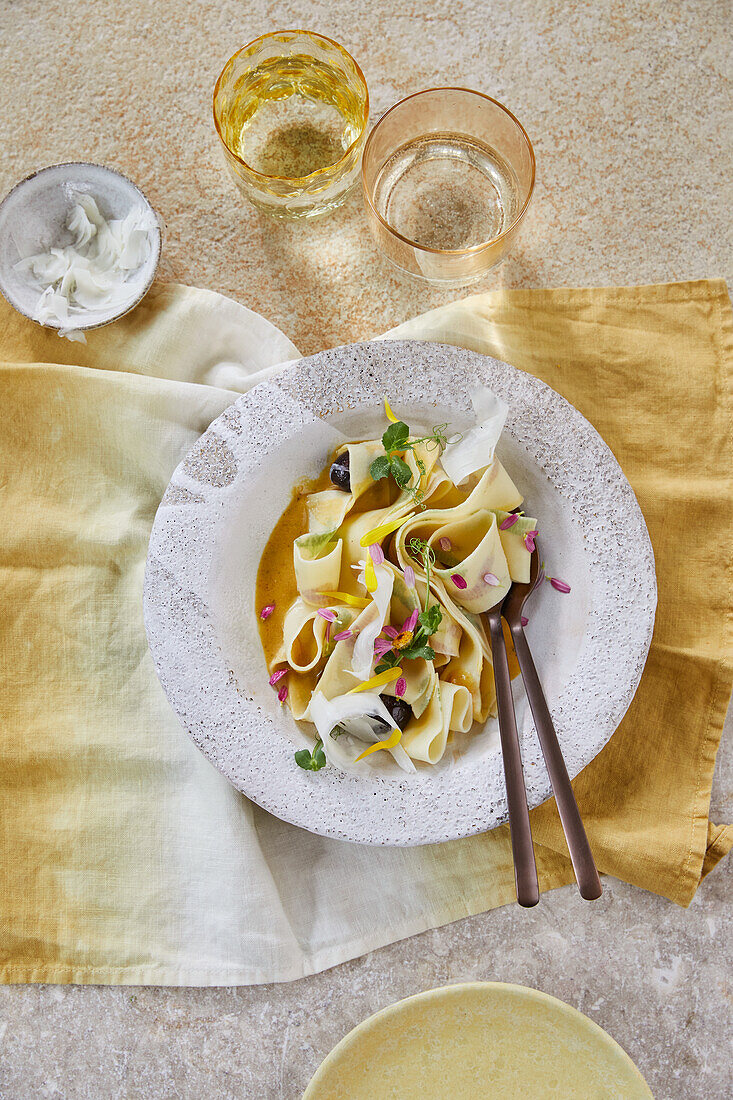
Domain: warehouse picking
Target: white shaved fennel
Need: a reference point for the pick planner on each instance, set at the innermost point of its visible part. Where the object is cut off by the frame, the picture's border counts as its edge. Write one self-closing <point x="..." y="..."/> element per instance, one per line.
<point x="380" y="642"/>
<point x="475" y="449"/>
<point x="96" y="272"/>
<point x="355" y="715"/>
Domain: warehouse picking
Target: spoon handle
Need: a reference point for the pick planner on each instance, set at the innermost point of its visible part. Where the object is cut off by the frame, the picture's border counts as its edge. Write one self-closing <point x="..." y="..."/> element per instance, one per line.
<point x="525" y="868"/>
<point x="589" y="884"/>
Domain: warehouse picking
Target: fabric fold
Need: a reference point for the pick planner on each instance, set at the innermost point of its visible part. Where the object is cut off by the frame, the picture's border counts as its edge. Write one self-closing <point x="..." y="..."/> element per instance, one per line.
<point x="124" y="856"/>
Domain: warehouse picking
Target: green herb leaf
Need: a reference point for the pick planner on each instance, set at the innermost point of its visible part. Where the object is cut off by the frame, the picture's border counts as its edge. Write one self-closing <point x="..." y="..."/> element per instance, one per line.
<point x="413" y="652"/>
<point x="401" y="472"/>
<point x="396" y="436"/>
<point x="303" y="759"/>
<point x="388" y="660"/>
<point x="380" y="468"/>
<point x="311" y="762"/>
<point x="430" y="619"/>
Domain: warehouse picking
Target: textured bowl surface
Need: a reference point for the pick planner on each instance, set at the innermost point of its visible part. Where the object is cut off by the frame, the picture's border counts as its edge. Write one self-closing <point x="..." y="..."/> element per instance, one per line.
<point x="590" y="646"/>
<point x="33" y="219"/>
<point x="480" y="1039"/>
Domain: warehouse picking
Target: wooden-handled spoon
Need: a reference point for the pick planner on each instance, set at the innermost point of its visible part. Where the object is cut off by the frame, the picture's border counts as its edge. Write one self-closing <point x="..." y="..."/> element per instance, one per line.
<point x="589" y="884"/>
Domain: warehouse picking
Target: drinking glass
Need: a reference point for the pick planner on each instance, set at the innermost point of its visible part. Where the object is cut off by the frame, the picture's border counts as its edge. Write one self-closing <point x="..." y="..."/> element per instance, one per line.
<point x="448" y="175"/>
<point x="291" y="109"/>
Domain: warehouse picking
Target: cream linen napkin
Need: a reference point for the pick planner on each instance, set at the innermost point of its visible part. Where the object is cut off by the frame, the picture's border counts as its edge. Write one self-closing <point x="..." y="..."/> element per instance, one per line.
<point x="125" y="857"/>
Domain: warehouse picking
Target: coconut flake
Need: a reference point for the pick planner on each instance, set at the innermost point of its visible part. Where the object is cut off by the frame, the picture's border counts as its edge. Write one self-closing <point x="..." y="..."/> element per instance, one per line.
<point x="96" y="272"/>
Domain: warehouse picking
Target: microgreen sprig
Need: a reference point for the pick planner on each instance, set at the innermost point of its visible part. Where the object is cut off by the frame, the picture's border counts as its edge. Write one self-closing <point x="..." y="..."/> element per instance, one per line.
<point x="396" y="442"/>
<point x="420" y="550"/>
<point x="311" y="761"/>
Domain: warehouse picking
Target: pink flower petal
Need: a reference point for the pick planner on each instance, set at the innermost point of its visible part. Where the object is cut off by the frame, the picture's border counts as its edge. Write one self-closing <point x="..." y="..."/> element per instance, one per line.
<point x="508" y="522"/>
<point x="382" y="646"/>
<point x="529" y="543"/>
<point x="377" y="553"/>
<point x="409" y="576"/>
<point x="278" y="675"/>
<point x="390" y="631"/>
<point x="492" y="579"/>
<point x="342" y="635"/>
<point x="561" y="586"/>
<point x="283" y="693"/>
<point x="267" y="611"/>
<point x="444" y="542"/>
<point x="327" y="613"/>
<point x="459" y="581"/>
<point x="411" y="623"/>
<point x="400" y="687"/>
<point x="524" y="620"/>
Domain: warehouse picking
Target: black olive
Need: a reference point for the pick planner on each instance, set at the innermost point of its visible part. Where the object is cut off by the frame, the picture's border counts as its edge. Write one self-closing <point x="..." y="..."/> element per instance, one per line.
<point x="400" y="710"/>
<point x="339" y="474"/>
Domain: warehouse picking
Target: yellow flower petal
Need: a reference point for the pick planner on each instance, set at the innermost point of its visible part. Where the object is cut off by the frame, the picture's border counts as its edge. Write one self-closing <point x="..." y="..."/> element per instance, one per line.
<point x="387" y="677"/>
<point x="378" y="533"/>
<point x="344" y="597"/>
<point x="390" y="415"/>
<point x="370" y="576"/>
<point x="390" y="743"/>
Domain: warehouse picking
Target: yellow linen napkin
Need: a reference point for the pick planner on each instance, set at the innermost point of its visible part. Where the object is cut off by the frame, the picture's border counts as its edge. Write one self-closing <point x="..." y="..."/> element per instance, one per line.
<point x="124" y="857"/>
<point x="650" y="367"/>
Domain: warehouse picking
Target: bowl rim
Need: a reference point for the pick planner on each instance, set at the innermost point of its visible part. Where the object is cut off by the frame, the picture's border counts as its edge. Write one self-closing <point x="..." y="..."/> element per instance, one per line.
<point x="474" y="248"/>
<point x="157" y="247"/>
<point x="329" y="169"/>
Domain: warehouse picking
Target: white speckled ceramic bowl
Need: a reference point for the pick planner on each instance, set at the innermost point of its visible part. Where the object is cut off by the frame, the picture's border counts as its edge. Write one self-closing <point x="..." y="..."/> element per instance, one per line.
<point x="224" y="499"/>
<point x="33" y="219"/>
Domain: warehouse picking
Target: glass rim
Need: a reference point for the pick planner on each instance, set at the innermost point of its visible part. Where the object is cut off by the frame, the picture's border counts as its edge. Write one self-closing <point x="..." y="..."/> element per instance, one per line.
<point x="318" y="172"/>
<point x="450" y="251"/>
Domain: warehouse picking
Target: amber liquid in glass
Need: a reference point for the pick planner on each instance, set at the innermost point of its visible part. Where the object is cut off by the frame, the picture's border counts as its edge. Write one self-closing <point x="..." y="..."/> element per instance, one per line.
<point x="292" y="116"/>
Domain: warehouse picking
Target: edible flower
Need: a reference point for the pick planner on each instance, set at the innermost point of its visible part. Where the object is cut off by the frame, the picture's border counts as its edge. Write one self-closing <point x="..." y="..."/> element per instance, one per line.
<point x="381" y="532"/>
<point x="409" y="576"/>
<point x="267" y="611"/>
<point x="459" y="581"/>
<point x="343" y="635"/>
<point x="392" y="740"/>
<point x="330" y="617"/>
<point x="387" y="677"/>
<point x="529" y="540"/>
<point x="382" y="646"/>
<point x="492" y="579"/>
<point x="370" y="576"/>
<point x="509" y="522"/>
<point x="390" y="415"/>
<point x="344" y="597"/>
<point x="444" y="542"/>
<point x="411" y="623"/>
<point x="561" y="586"/>
<point x="278" y="675"/>
<point x="376" y="553"/>
<point x="524" y="620"/>
<point x="283" y="693"/>
<point x="400" y="687"/>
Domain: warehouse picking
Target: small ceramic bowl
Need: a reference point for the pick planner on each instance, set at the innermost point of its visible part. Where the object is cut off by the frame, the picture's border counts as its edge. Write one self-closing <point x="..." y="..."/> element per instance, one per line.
<point x="33" y="219"/>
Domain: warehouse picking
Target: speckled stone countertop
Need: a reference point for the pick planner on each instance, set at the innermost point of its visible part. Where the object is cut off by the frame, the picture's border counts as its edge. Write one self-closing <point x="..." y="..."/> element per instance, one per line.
<point x="628" y="107"/>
